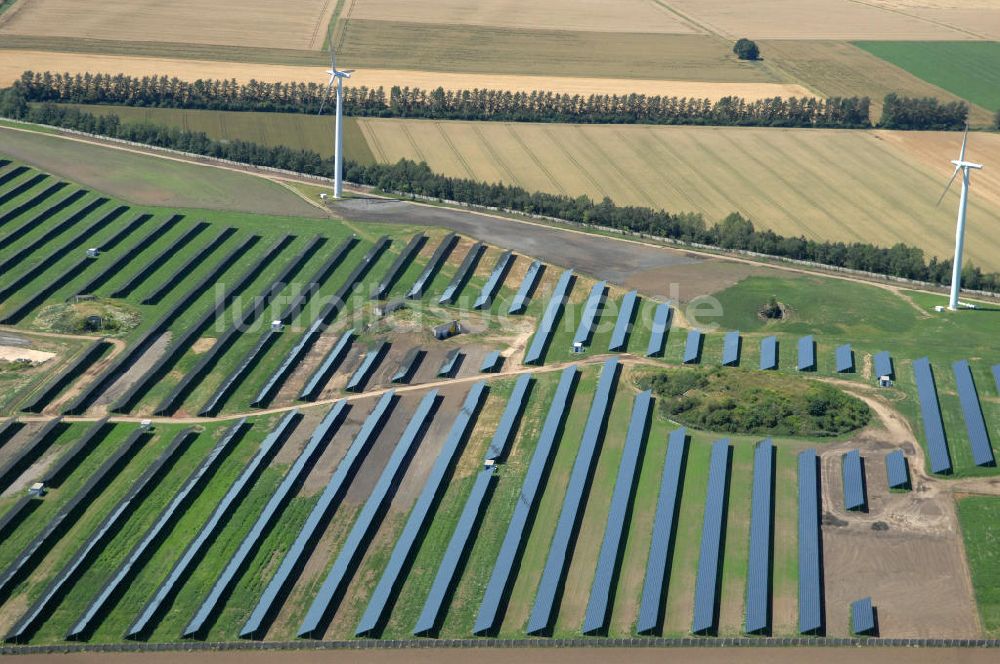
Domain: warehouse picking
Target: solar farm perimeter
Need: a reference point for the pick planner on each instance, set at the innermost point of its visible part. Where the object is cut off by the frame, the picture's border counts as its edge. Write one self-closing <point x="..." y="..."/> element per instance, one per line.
<point x="319" y="466"/>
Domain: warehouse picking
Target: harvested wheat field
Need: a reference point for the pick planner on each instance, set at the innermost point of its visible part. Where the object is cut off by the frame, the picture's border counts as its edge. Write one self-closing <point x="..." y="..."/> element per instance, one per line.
<point x="290" y="24"/>
<point x="977" y="17"/>
<point x="839" y="69"/>
<point x="823" y="184"/>
<point x="15" y="62"/>
<point x="810" y="19"/>
<point x="595" y="15"/>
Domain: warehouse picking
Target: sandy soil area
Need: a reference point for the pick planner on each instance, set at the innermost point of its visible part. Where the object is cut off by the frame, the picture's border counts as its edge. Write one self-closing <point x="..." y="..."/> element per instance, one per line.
<point x="15" y="62"/>
<point x="12" y="353"/>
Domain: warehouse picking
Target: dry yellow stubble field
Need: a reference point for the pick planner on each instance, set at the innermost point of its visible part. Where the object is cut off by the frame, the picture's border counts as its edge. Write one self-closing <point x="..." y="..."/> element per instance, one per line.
<point x="824" y="184"/>
<point x="587" y="15"/>
<point x="262" y="23"/>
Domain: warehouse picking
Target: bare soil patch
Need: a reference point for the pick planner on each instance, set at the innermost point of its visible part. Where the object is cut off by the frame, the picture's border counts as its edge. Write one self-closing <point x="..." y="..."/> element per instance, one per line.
<point x="134" y="373"/>
<point x="15" y="353"/>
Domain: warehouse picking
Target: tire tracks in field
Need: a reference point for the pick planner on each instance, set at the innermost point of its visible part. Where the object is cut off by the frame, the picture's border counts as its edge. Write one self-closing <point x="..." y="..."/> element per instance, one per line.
<point x="645" y="153"/>
<point x="497" y="159"/>
<point x="534" y="158"/>
<point x="413" y="143"/>
<point x="613" y="163"/>
<point x="371" y="136"/>
<point x="924" y="19"/>
<point x="458" y="155"/>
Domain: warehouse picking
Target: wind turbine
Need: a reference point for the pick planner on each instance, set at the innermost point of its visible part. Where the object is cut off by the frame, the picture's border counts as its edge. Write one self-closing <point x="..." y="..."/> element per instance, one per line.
<point x="964" y="166"/>
<point x="337" y="76"/>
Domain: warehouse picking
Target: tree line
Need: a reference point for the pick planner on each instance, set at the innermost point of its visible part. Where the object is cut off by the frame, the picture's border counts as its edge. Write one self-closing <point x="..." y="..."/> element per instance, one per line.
<point x="478" y="104"/>
<point x="732" y="233"/>
<point x="923" y="113"/>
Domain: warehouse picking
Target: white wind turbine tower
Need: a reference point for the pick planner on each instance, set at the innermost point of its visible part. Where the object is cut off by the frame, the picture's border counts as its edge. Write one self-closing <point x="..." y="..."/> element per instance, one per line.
<point x="337" y="76"/>
<point x="964" y="166"/>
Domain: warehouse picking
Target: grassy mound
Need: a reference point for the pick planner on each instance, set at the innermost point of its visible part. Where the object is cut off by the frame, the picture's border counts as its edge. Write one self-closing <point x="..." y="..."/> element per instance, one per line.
<point x="116" y="318"/>
<point x="755" y="402"/>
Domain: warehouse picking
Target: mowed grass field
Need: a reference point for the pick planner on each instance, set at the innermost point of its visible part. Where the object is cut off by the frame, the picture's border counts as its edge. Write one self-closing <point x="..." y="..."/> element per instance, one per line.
<point x="970" y="70"/>
<point x="834" y="185"/>
<point x="980" y="520"/>
<point x="296" y="24"/>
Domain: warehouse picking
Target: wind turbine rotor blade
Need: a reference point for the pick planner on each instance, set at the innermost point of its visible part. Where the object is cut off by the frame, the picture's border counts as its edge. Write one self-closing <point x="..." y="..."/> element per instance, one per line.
<point x="965" y="140"/>
<point x="322" y="104"/>
<point x="948" y="186"/>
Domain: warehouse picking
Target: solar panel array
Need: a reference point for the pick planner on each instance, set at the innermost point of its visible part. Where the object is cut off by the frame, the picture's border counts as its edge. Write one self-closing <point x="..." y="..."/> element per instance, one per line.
<point x="330" y="362"/>
<point x="844" y="359"/>
<point x="758" y="608"/>
<point x="433" y="265"/>
<point x="619" y="336"/>
<point x="516" y="403"/>
<point x="854" y="481"/>
<point x="368" y="365"/>
<point x="220" y="516"/>
<point x="968" y="396"/>
<point x="862" y="616"/>
<point x="768" y="353"/>
<point x="411" y="361"/>
<point x="95" y="543"/>
<point x="368" y="519"/>
<point x="612" y="547"/>
<point x="810" y="574"/>
<point x="321" y="512"/>
<point x="552" y="310"/>
<point x="30" y="452"/>
<point x="491" y="363"/>
<point x="422" y="512"/>
<point x="195" y="482"/>
<point x="399" y="266"/>
<point x="731" y="349"/>
<point x="654" y="587"/>
<point x="169" y="283"/>
<point x="272" y="511"/>
<point x="658" y="335"/>
<point x="458" y="547"/>
<point x="883" y="365"/>
<point x="692" y="349"/>
<point x="465" y="270"/>
<point x="153" y="263"/>
<point x="807" y="354"/>
<point x="495" y="280"/>
<point x="52" y="233"/>
<point x="706" y="588"/>
<point x="558" y="559"/>
<point x="590" y="310"/>
<point x="937" y="444"/>
<point x="517" y="529"/>
<point x="896" y="470"/>
<point x="520" y="301"/>
<point x="74" y="370"/>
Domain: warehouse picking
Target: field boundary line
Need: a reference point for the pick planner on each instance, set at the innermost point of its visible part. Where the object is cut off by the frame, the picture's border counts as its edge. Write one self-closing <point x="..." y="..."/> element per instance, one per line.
<point x="923" y="19"/>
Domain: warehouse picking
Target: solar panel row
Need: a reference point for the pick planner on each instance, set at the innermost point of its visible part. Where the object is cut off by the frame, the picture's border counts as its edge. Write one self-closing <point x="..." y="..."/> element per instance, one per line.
<point x="883" y="365"/>
<point x="155" y="262"/>
<point x="368" y="519"/>
<point x="552" y="311"/>
<point x="68" y="514"/>
<point x="590" y="310"/>
<point x="520" y="301"/>
<point x="491" y="363"/>
<point x="330" y="362"/>
<point x="769" y="353"/>
<point x="810" y="575"/>
<point x="126" y="256"/>
<point x="423" y="511"/>
<point x="845" y="359"/>
<point x="74" y="370"/>
<point x="84" y="555"/>
<point x="896" y="470"/>
<point x="758" y="609"/>
<point x="458" y="547"/>
<point x="433" y="265"/>
<point x="658" y="335"/>
<point x="495" y="280"/>
<point x="465" y="270"/>
<point x="32" y="202"/>
<point x="654" y="587"/>
<point x="272" y="511"/>
<point x="579" y="479"/>
<point x="372" y="359"/>
<point x="692" y="349"/>
<point x="50" y="234"/>
<point x="68" y="460"/>
<point x="706" y="588"/>
<point x="968" y="396"/>
<point x="510" y="550"/>
<point x="450" y="364"/>
<point x="619" y="336"/>
<point x="220" y="516"/>
<point x="195" y="482"/>
<point x="612" y="547"/>
<point x="996" y="376"/>
<point x="22" y="187"/>
<point x="731" y="349"/>
<point x="516" y="403"/>
<point x="807" y="354"/>
<point x="321" y="512"/>
<point x="854" y="481"/>
<point x="862" y="616"/>
<point x="399" y="266"/>
<point x="937" y="444"/>
<point x="169" y="283"/>
<point x="411" y="361"/>
<point x="30" y="452"/>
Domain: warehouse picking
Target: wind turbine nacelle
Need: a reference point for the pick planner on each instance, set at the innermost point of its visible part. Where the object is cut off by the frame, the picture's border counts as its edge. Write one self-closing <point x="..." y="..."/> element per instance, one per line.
<point x="966" y="164"/>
